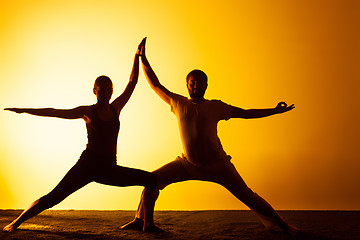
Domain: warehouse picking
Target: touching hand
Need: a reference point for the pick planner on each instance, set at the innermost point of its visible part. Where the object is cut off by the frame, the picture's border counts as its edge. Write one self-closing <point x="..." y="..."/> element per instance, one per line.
<point x="283" y="107"/>
<point x="17" y="110"/>
<point x="141" y="48"/>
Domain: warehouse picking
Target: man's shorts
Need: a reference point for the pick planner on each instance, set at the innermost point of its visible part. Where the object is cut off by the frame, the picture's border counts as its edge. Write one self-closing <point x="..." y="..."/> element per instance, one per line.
<point x="181" y="169"/>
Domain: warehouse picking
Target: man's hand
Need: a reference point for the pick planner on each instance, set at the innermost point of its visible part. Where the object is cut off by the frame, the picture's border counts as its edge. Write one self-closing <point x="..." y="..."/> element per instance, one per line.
<point x="283" y="107"/>
<point x="141" y="48"/>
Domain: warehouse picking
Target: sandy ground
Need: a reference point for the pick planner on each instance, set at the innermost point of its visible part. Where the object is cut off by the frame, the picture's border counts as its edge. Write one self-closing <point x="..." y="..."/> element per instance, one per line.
<point x="74" y="224"/>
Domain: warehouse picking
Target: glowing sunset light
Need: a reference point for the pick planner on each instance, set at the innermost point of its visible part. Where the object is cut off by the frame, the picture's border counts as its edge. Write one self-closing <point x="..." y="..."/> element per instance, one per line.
<point x="255" y="55"/>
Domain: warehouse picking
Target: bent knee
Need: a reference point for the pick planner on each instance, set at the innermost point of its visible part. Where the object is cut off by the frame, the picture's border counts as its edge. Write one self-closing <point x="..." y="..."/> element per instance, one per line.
<point x="157" y="186"/>
<point x="162" y="186"/>
<point x="152" y="182"/>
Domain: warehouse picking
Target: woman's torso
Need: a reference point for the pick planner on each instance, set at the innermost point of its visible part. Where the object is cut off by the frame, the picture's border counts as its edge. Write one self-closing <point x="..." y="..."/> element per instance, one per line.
<point x="102" y="134"/>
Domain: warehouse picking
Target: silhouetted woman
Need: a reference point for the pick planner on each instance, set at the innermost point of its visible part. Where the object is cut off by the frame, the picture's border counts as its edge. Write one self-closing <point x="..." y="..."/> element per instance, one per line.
<point x="98" y="161"/>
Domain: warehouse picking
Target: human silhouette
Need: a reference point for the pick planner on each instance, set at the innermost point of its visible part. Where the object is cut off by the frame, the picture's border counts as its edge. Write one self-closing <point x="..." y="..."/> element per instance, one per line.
<point x="98" y="161"/>
<point x="203" y="158"/>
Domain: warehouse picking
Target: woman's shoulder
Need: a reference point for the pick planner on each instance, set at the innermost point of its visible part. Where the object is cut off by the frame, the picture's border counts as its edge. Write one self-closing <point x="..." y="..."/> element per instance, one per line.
<point x="86" y="108"/>
<point x="87" y="111"/>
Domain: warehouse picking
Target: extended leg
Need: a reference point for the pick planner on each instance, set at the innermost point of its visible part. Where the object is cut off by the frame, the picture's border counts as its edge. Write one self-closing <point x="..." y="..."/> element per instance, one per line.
<point x="69" y="184"/>
<point x="34" y="209"/>
<point x="236" y="185"/>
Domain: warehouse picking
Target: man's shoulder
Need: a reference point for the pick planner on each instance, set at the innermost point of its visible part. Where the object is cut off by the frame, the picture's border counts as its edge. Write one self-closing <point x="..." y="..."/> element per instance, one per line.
<point x="219" y="104"/>
<point x="178" y="98"/>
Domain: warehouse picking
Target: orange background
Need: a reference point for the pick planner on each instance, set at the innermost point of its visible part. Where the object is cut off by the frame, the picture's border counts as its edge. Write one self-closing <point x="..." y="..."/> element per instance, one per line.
<point x="255" y="53"/>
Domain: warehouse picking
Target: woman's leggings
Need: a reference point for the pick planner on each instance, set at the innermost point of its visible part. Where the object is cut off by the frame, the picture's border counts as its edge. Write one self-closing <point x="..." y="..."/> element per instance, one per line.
<point x="84" y="172"/>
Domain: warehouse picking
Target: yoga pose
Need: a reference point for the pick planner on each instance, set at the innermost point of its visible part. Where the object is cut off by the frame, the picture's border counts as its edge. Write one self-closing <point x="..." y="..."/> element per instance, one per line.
<point x="98" y="162"/>
<point x="203" y="158"/>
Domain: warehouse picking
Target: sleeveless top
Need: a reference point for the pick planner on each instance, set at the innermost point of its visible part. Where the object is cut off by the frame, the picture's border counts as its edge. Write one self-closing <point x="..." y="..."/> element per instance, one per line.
<point x="102" y="135"/>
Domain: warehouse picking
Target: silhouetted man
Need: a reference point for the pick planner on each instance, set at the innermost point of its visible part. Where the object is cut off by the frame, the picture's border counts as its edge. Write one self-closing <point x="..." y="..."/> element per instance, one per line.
<point x="203" y="158"/>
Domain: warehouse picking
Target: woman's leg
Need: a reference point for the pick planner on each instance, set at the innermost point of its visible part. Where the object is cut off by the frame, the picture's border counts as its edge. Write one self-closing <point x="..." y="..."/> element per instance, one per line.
<point x="167" y="174"/>
<point x="33" y="210"/>
<point x="71" y="182"/>
<point x="124" y="176"/>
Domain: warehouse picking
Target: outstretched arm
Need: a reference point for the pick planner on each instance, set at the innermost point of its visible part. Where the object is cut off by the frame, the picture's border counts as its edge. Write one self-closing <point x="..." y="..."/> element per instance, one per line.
<point x="152" y="79"/>
<point x="120" y="101"/>
<point x="74" y="113"/>
<point x="259" y="113"/>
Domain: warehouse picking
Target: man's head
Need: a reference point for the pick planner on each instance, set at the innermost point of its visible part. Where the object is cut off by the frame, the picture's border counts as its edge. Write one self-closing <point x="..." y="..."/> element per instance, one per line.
<point x="103" y="88"/>
<point x="196" y="82"/>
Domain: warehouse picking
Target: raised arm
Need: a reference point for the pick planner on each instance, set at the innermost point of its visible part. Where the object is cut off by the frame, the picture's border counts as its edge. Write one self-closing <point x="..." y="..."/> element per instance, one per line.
<point x="74" y="113"/>
<point x="259" y="113"/>
<point x="120" y="101"/>
<point x="152" y="79"/>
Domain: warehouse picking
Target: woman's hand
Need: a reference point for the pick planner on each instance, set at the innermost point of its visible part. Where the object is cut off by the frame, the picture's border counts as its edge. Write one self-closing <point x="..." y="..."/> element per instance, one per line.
<point x="17" y="110"/>
<point x="141" y="48"/>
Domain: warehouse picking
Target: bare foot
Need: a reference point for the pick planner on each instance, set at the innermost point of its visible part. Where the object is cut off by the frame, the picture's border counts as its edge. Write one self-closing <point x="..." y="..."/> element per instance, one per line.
<point x="153" y="229"/>
<point x="289" y="229"/>
<point x="10" y="228"/>
<point x="136" y="224"/>
<point x="293" y="231"/>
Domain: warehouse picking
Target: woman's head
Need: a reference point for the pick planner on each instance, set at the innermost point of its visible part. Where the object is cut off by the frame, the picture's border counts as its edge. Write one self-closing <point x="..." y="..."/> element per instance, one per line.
<point x="103" y="89"/>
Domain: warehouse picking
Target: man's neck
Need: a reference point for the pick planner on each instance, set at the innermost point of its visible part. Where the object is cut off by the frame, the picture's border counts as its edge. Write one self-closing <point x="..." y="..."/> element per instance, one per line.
<point x="198" y="100"/>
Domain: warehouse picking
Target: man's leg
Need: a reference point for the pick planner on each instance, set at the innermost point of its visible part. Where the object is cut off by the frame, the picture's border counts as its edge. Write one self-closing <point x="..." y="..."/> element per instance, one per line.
<point x="124" y="176"/>
<point x="231" y="180"/>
